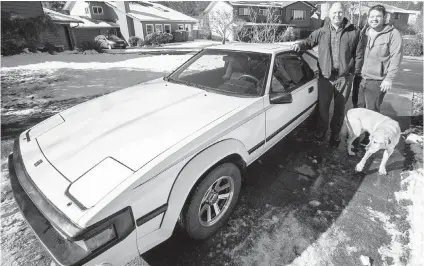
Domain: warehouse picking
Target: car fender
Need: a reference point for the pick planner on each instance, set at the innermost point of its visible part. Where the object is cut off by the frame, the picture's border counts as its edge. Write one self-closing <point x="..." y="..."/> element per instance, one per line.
<point x="193" y="170"/>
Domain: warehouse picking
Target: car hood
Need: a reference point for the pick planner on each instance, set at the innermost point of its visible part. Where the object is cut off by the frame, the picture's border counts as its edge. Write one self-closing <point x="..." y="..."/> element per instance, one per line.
<point x="132" y="126"/>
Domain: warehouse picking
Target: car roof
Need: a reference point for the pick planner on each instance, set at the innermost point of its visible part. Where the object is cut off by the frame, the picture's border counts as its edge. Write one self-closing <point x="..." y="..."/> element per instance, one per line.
<point x="268" y="48"/>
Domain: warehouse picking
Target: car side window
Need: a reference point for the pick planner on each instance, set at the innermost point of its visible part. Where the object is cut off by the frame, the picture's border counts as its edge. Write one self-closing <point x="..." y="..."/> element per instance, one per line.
<point x="290" y="72"/>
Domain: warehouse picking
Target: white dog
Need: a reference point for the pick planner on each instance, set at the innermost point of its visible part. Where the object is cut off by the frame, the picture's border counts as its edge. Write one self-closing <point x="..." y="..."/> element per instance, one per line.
<point x="384" y="134"/>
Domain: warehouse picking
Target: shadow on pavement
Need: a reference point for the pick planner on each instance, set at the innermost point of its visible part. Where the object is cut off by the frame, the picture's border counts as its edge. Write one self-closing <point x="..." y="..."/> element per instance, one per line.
<point x="291" y="196"/>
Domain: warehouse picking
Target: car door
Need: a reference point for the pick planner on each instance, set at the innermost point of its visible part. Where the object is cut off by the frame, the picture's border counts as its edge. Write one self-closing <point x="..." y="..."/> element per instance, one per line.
<point x="293" y="94"/>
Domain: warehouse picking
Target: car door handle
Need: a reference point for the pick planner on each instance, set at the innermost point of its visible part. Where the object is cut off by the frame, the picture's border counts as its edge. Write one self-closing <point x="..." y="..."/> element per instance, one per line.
<point x="311" y="89"/>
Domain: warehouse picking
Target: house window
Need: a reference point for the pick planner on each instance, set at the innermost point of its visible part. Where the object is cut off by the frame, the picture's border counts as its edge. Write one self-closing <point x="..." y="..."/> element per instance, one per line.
<point x="87" y="11"/>
<point x="168" y="28"/>
<point x="262" y="11"/>
<point x="158" y="28"/>
<point x="98" y="10"/>
<point x="298" y="14"/>
<point x="396" y="16"/>
<point x="243" y="11"/>
<point x="279" y="12"/>
<point x="149" y="28"/>
<point x="181" y="26"/>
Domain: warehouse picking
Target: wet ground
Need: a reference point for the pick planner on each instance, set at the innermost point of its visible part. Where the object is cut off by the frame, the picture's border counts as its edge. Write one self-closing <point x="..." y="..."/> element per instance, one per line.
<point x="277" y="218"/>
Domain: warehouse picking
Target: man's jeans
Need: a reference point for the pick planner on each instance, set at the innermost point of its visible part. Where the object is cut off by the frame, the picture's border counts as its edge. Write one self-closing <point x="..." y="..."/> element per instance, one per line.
<point x="326" y="92"/>
<point x="370" y="95"/>
<point x="355" y="89"/>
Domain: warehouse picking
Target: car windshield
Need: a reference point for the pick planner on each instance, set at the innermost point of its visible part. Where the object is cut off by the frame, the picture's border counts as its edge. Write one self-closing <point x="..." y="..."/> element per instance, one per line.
<point x="113" y="38"/>
<point x="234" y="72"/>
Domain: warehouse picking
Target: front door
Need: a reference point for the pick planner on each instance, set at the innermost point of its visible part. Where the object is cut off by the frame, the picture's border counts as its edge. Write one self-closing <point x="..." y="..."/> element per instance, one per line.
<point x="291" y="75"/>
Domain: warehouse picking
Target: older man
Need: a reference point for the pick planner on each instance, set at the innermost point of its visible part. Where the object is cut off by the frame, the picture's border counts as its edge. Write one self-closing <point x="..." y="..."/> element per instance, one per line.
<point x="337" y="40"/>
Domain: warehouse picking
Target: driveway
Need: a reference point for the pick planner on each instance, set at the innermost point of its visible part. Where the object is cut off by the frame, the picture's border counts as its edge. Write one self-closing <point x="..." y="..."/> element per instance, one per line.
<point x="410" y="76"/>
<point x="302" y="203"/>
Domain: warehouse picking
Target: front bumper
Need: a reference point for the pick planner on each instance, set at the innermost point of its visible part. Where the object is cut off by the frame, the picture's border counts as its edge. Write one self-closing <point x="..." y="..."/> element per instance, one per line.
<point x="44" y="219"/>
<point x="61" y="249"/>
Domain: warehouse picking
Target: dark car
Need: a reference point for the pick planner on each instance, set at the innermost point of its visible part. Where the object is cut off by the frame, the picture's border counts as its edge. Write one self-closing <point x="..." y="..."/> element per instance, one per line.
<point x="110" y="41"/>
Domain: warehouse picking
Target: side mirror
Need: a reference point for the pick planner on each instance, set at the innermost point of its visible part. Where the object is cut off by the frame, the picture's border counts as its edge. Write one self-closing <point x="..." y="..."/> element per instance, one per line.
<point x="280" y="98"/>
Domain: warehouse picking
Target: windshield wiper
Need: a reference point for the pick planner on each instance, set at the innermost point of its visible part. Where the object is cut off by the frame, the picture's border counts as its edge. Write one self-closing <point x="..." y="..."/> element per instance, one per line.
<point x="188" y="83"/>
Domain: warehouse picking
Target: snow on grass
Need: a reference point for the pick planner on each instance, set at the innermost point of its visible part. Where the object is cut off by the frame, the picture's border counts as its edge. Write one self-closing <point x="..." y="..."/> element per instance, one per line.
<point x="394" y="251"/>
<point x="160" y="63"/>
<point x="19" y="112"/>
<point x="410" y="199"/>
<point x="413" y="185"/>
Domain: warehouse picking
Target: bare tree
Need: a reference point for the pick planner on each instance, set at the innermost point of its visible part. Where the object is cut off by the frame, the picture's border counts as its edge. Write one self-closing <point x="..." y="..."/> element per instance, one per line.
<point x="265" y="30"/>
<point x="222" y="22"/>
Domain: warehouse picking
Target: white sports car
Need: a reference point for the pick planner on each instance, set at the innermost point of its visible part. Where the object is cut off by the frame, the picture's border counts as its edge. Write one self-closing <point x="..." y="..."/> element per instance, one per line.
<point x="115" y="175"/>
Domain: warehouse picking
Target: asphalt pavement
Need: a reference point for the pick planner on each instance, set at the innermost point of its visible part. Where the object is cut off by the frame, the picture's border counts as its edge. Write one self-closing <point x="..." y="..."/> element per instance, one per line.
<point x="410" y="76"/>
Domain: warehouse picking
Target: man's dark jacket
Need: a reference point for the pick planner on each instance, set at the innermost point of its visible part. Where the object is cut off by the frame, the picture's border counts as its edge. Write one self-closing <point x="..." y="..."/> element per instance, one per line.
<point x="347" y="50"/>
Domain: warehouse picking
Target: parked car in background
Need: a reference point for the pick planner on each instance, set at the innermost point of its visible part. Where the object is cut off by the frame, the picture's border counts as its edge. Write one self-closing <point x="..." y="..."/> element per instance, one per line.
<point x="110" y="41"/>
<point x="115" y="175"/>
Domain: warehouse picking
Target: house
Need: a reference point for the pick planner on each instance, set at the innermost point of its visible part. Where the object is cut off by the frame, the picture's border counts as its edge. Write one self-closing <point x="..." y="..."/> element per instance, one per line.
<point x="25" y="9"/>
<point x="298" y="14"/>
<point x="125" y="19"/>
<point x="396" y="16"/>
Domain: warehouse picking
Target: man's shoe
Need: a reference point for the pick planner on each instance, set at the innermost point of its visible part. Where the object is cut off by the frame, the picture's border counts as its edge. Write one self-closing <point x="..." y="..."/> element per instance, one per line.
<point x="335" y="140"/>
<point x="319" y="135"/>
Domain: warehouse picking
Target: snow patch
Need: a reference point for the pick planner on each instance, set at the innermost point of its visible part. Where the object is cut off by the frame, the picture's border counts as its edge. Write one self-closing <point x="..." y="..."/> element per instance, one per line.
<point x="160" y="63"/>
<point x="414" y="189"/>
<point x="19" y="112"/>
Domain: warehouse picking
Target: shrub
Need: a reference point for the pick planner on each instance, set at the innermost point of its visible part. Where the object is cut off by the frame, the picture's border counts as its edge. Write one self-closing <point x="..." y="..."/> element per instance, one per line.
<point x="156" y="38"/>
<point x="91" y="45"/>
<point x="18" y="33"/>
<point x="49" y="47"/>
<point x="134" y="41"/>
<point x="205" y="33"/>
<point x="140" y="43"/>
<point x="290" y="34"/>
<point x="413" y="47"/>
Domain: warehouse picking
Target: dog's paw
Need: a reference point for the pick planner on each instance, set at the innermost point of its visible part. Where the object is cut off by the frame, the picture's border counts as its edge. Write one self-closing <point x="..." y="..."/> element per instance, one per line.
<point x="359" y="167"/>
<point x="382" y="171"/>
<point x="351" y="152"/>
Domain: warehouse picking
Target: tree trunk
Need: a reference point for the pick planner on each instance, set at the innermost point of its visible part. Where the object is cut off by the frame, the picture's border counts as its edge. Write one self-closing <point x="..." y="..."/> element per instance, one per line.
<point x="223" y="37"/>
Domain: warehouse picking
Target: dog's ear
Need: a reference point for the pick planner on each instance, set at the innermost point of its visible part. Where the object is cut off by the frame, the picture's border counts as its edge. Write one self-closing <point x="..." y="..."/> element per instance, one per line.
<point x="388" y="141"/>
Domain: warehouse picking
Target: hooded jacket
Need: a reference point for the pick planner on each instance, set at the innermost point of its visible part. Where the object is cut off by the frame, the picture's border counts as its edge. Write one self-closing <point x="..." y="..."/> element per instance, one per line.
<point x="347" y="50"/>
<point x="381" y="56"/>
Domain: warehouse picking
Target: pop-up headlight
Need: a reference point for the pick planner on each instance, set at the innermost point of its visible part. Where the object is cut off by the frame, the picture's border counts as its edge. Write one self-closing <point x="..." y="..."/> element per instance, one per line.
<point x="98" y="182"/>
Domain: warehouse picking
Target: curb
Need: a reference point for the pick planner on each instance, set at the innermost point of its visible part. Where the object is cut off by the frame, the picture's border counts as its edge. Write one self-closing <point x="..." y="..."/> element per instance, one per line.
<point x="417" y="58"/>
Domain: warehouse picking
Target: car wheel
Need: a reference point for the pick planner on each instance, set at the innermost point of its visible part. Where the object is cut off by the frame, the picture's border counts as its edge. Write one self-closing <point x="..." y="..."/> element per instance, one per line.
<point x="212" y="202"/>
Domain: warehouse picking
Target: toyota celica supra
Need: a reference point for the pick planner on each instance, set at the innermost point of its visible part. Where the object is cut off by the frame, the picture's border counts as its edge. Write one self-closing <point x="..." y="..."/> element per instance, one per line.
<point x="116" y="174"/>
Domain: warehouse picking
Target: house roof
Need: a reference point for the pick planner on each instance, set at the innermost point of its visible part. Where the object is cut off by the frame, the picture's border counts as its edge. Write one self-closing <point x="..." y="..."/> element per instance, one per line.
<point x="268" y="3"/>
<point x="390" y="9"/>
<point x="94" y="23"/>
<point x="147" y="11"/>
<point x="280" y="4"/>
<point x="61" y="18"/>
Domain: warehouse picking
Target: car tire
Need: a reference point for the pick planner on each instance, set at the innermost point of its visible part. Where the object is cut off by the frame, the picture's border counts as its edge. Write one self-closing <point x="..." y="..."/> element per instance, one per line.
<point x="200" y="218"/>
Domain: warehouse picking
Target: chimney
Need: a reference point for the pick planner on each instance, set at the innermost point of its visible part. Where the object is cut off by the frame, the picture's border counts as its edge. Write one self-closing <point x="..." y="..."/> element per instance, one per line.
<point x="123" y="6"/>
